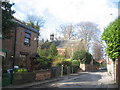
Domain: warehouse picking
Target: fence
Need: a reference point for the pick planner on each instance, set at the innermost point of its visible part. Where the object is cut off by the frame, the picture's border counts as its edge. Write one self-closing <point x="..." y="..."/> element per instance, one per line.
<point x="55" y="72"/>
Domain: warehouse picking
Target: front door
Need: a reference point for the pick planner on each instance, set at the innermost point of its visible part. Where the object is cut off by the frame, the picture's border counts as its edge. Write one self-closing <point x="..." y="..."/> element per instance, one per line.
<point x="23" y="62"/>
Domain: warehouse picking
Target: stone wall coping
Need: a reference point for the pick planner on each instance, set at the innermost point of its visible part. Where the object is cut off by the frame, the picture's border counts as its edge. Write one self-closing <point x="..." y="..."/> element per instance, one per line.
<point x="41" y="70"/>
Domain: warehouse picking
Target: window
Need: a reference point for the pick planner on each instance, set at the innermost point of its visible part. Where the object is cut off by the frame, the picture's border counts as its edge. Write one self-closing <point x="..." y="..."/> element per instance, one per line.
<point x="27" y="38"/>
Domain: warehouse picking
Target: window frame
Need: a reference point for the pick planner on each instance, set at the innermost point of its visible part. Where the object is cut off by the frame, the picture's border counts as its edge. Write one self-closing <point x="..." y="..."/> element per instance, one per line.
<point x="27" y="37"/>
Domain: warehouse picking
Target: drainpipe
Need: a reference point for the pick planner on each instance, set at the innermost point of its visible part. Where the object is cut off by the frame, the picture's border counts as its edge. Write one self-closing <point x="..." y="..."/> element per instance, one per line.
<point x="14" y="53"/>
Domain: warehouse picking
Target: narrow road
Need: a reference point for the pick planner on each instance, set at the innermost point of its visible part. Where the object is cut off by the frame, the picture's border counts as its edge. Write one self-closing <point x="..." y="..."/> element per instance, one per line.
<point x="87" y="80"/>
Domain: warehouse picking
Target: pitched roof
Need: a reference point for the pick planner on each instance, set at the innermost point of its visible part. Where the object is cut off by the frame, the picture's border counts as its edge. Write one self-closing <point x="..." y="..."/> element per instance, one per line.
<point x="65" y="43"/>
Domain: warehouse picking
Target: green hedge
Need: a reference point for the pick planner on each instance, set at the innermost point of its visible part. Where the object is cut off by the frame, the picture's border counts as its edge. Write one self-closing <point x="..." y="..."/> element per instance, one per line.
<point x="75" y="68"/>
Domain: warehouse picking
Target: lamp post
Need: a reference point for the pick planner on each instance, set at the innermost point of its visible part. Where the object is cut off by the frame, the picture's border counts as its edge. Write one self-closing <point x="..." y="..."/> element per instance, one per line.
<point x="72" y="56"/>
<point x="61" y="70"/>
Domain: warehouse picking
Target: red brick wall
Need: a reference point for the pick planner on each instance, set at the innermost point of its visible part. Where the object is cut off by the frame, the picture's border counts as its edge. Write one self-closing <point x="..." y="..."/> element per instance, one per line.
<point x="61" y="51"/>
<point x="43" y="75"/>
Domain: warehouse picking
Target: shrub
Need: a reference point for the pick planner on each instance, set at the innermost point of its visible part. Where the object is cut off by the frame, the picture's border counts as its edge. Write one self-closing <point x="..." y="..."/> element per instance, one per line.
<point x="83" y="56"/>
<point x="76" y="63"/>
<point x="19" y="70"/>
<point x="68" y="59"/>
<point x="66" y="63"/>
<point x="75" y="68"/>
<point x="111" y="36"/>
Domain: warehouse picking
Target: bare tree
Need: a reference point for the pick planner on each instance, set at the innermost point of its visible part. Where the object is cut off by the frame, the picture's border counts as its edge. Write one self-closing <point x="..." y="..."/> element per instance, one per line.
<point x="88" y="31"/>
<point x="97" y="50"/>
<point x="67" y="31"/>
<point x="35" y="21"/>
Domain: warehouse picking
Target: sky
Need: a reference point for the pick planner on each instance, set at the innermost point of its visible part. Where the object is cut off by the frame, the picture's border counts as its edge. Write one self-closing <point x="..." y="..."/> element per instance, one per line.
<point x="57" y="12"/>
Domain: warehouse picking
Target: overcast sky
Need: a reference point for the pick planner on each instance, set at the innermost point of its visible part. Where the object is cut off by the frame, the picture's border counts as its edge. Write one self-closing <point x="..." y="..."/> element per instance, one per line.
<point x="57" y="12"/>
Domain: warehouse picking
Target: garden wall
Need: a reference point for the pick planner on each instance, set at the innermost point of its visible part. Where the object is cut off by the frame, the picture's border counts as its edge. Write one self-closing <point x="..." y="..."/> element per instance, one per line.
<point x="87" y="67"/>
<point x="25" y="77"/>
<point x="42" y="74"/>
<point x="118" y="71"/>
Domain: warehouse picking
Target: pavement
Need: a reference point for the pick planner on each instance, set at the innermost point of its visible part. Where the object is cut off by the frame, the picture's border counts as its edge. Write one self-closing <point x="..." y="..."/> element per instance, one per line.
<point x="26" y="85"/>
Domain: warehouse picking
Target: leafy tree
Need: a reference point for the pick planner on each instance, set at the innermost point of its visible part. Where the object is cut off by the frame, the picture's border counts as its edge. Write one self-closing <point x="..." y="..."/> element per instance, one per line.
<point x="66" y="63"/>
<point x="43" y="49"/>
<point x="75" y="62"/>
<point x="7" y="17"/>
<point x="53" y="50"/>
<point x="111" y="36"/>
<point x="83" y="56"/>
<point x="58" y="60"/>
<point x="79" y="55"/>
<point x="47" y="52"/>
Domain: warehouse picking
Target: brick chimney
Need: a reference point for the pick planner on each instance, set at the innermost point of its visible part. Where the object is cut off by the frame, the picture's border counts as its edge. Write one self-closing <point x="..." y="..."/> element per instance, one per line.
<point x="52" y="37"/>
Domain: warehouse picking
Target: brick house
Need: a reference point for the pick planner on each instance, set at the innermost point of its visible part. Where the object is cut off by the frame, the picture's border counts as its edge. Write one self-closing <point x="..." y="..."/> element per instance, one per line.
<point x="21" y="46"/>
<point x="66" y="48"/>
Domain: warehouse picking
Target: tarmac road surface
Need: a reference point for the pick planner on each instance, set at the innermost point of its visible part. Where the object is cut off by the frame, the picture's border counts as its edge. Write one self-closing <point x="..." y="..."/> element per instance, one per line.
<point x="99" y="79"/>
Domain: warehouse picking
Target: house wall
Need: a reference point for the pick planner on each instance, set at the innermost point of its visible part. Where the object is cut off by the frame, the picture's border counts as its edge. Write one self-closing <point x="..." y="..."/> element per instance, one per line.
<point x="8" y="44"/>
<point x="110" y="66"/>
<point x="68" y="47"/>
<point x="20" y="46"/>
<point x="61" y="51"/>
